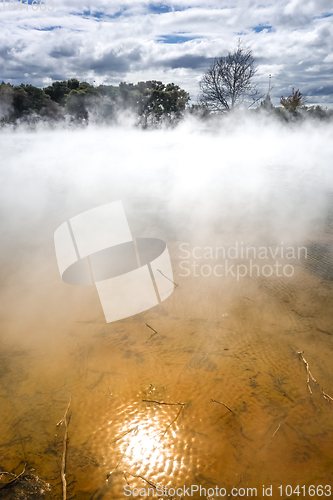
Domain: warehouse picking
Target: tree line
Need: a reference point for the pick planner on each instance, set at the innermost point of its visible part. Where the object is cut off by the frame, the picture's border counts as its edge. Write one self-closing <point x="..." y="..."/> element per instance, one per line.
<point x="227" y="84"/>
<point x="152" y="101"/>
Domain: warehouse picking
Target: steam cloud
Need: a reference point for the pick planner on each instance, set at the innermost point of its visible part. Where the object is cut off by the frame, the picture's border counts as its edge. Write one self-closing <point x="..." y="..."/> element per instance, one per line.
<point x="246" y="179"/>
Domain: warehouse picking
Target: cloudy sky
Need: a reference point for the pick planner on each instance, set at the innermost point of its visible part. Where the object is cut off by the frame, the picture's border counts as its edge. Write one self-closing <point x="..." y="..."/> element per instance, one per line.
<point x="172" y="41"/>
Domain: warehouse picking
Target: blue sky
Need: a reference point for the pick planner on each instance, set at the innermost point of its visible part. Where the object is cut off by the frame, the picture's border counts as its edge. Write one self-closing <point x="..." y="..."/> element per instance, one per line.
<point x="172" y="41"/>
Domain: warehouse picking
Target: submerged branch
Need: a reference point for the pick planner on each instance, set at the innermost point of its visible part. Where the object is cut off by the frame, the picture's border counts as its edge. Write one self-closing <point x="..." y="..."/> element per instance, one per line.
<point x="153" y="485"/>
<point x="124" y="434"/>
<point x="327" y="396"/>
<point x="167" y="277"/>
<point x="155" y="332"/>
<point x="278" y="427"/>
<point x="227" y="407"/>
<point x="311" y="377"/>
<point x="15" y="478"/>
<point x="63" y="461"/>
<point x="140" y="477"/>
<point x="162" y="402"/>
<point x="174" y="420"/>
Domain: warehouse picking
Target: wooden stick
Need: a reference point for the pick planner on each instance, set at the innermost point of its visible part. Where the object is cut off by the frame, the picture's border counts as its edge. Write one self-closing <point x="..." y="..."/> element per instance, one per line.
<point x="124" y="434"/>
<point x="155" y="332"/>
<point x="151" y="328"/>
<point x="327" y="396"/>
<point x="182" y="406"/>
<point x="141" y="477"/>
<point x="227" y="407"/>
<point x="163" y="403"/>
<point x="63" y="462"/>
<point x="15" y="478"/>
<point x="167" y="277"/>
<point x="275" y="432"/>
<point x="144" y="479"/>
<point x="308" y="372"/>
<point x="310" y="376"/>
<point x="174" y="420"/>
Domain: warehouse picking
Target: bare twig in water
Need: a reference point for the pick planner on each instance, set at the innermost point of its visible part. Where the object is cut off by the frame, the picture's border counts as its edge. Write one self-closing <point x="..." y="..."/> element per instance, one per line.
<point x="162" y="402"/>
<point x="151" y="328"/>
<point x="227" y="407"/>
<point x="124" y="472"/>
<point x="124" y="434"/>
<point x="308" y="372"/>
<point x="63" y="462"/>
<point x="167" y="277"/>
<point x="174" y="420"/>
<point x="182" y="406"/>
<point x="15" y="478"/>
<point x="155" y="332"/>
<point x="310" y="376"/>
<point x="140" y="477"/>
<point x="327" y="396"/>
<point x="278" y="427"/>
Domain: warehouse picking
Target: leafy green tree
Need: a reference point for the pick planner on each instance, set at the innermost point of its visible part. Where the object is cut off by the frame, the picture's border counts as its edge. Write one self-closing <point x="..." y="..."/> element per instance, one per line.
<point x="159" y="100"/>
<point x="77" y="100"/>
<point x="59" y="90"/>
<point x="35" y="98"/>
<point x="21" y="101"/>
<point x="6" y="101"/>
<point x="152" y="101"/>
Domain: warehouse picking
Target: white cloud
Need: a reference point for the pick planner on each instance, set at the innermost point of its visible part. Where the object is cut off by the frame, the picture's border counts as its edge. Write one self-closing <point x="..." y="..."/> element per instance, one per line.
<point x="123" y="41"/>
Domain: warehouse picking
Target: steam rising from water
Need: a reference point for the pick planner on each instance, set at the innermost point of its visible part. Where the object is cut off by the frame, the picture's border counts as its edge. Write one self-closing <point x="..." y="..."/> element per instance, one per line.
<point x="245" y="180"/>
<point x="194" y="178"/>
<point x="235" y="179"/>
<point x="238" y="179"/>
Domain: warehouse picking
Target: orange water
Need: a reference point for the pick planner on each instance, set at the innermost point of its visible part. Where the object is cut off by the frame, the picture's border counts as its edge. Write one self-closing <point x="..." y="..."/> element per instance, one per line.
<point x="235" y="342"/>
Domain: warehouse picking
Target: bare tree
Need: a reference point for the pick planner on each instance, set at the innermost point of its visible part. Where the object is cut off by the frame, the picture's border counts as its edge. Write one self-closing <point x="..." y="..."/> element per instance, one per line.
<point x="229" y="80"/>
